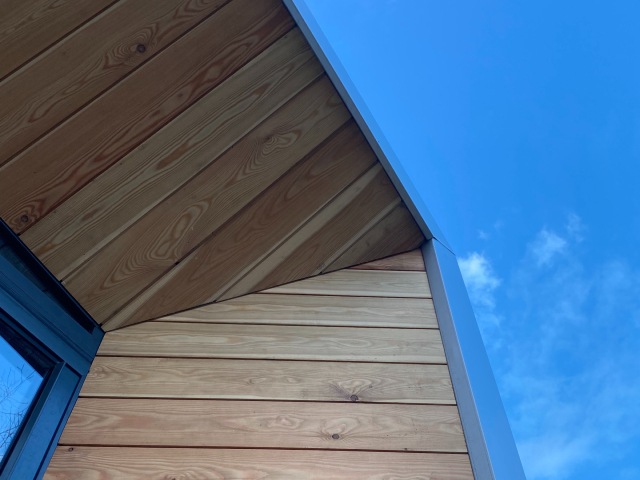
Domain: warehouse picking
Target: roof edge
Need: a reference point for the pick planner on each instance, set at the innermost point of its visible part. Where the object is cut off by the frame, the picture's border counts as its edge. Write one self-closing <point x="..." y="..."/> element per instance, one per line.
<point x="365" y="120"/>
<point x="490" y="443"/>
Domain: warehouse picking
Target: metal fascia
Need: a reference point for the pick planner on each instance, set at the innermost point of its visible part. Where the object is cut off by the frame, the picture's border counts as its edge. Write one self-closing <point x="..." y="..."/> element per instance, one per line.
<point x="490" y="442"/>
<point x="365" y="120"/>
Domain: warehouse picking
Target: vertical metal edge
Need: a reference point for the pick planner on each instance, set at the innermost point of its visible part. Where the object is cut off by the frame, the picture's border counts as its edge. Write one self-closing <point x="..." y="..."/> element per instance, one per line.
<point x="490" y="442"/>
<point x="365" y="120"/>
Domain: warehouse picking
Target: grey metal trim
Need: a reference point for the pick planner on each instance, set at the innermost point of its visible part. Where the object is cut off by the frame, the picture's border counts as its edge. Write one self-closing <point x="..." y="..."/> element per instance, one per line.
<point x="492" y="450"/>
<point x="490" y="443"/>
<point x="365" y="120"/>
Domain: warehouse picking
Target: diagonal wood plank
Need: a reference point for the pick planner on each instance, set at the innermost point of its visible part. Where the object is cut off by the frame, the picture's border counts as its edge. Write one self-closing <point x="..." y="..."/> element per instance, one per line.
<point x="62" y="162"/>
<point x="361" y="283"/>
<point x="259" y="424"/>
<point x="163" y="463"/>
<point x="127" y="377"/>
<point x="313" y="310"/>
<point x="123" y="194"/>
<point x="249" y="236"/>
<point x="28" y="28"/>
<point x="397" y="232"/>
<point x="69" y="74"/>
<point x="275" y="342"/>
<point x="167" y="233"/>
<point x="409" y="261"/>
<point x="317" y="242"/>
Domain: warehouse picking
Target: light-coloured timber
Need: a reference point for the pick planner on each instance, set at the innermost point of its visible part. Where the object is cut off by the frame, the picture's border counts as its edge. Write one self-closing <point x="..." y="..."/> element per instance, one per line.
<point x="313" y="310"/>
<point x="275" y="342"/>
<point x="410" y="261"/>
<point x="28" y="28"/>
<point x="261" y="424"/>
<point x="65" y="160"/>
<point x="142" y="253"/>
<point x="160" y="156"/>
<point x="90" y="60"/>
<point x="190" y="378"/>
<point x="361" y="283"/>
<point x="123" y="463"/>
<point x="103" y="209"/>
<point x="325" y="236"/>
<point x="248" y="237"/>
<point x="395" y="233"/>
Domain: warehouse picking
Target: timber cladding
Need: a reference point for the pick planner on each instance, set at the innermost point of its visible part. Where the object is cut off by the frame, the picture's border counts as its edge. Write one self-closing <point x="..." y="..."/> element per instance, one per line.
<point x="310" y="380"/>
<point x="158" y="155"/>
<point x="188" y="171"/>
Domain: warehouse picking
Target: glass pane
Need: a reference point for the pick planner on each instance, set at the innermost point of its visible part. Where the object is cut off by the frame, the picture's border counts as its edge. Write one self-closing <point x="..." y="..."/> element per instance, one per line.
<point x="19" y="384"/>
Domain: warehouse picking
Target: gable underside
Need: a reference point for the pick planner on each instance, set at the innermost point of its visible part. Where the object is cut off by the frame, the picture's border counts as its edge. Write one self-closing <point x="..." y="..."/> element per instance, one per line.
<point x="161" y="155"/>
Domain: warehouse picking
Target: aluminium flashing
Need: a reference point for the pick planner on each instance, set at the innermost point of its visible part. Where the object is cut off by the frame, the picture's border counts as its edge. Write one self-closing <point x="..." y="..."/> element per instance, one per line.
<point x="490" y="442"/>
<point x="365" y="120"/>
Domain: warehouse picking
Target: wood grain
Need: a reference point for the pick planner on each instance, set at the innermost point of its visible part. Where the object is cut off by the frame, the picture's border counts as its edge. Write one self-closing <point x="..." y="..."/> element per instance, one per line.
<point x="62" y="162"/>
<point x="191" y="378"/>
<point x="310" y="310"/>
<point x="409" y="261"/>
<point x="171" y="230"/>
<point x="122" y="463"/>
<point x="310" y="248"/>
<point x="68" y="75"/>
<point x="361" y="283"/>
<point x="207" y="272"/>
<point x="28" y="28"/>
<point x="395" y="233"/>
<point x="261" y="424"/>
<point x="104" y="208"/>
<point x="164" y="339"/>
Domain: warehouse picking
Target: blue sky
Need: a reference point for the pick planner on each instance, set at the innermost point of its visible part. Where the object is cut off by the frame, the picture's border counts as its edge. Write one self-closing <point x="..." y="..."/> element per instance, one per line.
<point x="520" y="125"/>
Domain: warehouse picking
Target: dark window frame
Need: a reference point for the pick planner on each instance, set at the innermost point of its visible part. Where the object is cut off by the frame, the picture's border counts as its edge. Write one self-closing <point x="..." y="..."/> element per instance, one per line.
<point x="34" y="304"/>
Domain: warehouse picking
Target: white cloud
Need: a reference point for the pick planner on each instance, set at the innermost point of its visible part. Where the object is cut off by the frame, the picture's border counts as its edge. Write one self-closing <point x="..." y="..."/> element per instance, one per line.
<point x="479" y="278"/>
<point x="566" y="358"/>
<point x="546" y="246"/>
<point x="575" y="228"/>
<point x="481" y="282"/>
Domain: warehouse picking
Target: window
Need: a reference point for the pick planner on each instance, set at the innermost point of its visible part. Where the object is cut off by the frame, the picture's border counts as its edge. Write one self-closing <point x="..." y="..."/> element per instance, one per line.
<point x="47" y="344"/>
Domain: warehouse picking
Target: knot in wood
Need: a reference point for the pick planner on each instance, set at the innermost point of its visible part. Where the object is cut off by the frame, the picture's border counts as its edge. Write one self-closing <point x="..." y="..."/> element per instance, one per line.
<point x="335" y="436"/>
<point x="354" y="398"/>
<point x="141" y="48"/>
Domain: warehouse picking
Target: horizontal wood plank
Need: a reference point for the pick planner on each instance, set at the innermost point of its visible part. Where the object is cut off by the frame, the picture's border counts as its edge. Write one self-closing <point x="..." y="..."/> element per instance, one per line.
<point x="123" y="463"/>
<point x="62" y="162"/>
<point x="234" y="249"/>
<point x="395" y="233"/>
<point x="29" y="27"/>
<point x="71" y="73"/>
<point x="275" y="342"/>
<point x="361" y="283"/>
<point x="409" y="261"/>
<point x="313" y="310"/>
<point x="258" y="424"/>
<point x="104" y="208"/>
<point x="127" y="377"/>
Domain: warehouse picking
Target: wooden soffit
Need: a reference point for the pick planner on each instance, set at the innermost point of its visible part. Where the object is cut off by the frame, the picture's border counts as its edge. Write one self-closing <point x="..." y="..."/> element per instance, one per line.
<point x="158" y="155"/>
